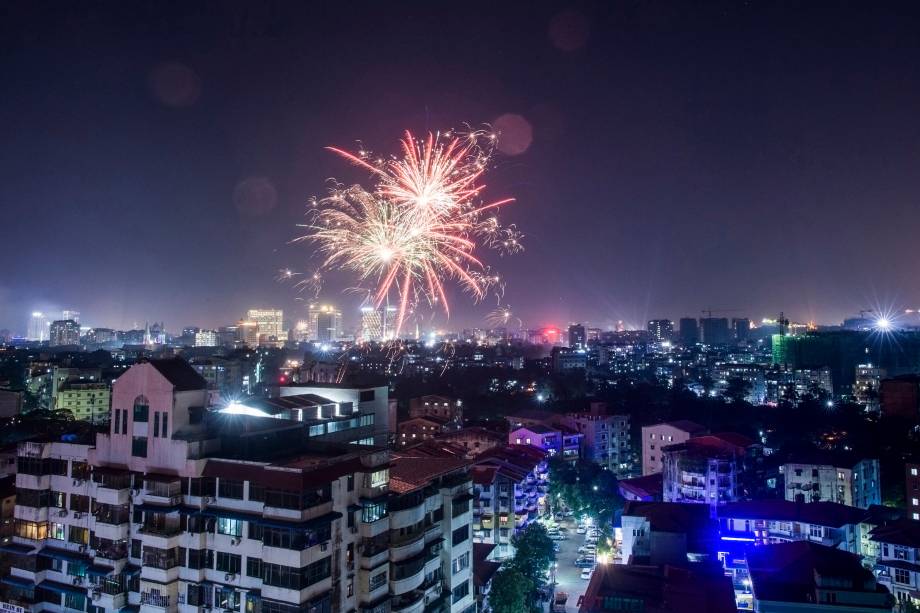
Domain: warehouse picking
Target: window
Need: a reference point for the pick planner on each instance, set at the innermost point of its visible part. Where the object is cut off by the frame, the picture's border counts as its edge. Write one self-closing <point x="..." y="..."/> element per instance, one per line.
<point x="815" y="531"/>
<point x="366" y="396"/>
<point x="156" y="424"/>
<point x="163" y="559"/>
<point x="228" y="488"/>
<point x="902" y="576"/>
<point x="253" y="567"/>
<point x="373" y="512"/>
<point x="139" y="447"/>
<point x="460" y="535"/>
<point x="256" y="492"/>
<point x="296" y="578"/>
<point x="200" y="558"/>
<point x="205" y="486"/>
<point x="165" y="422"/>
<point x="141" y="409"/>
<point x="231" y="527"/>
<point x="79" y="503"/>
<point x="56" y="531"/>
<point x="461" y="563"/>
<point x="229" y="562"/>
<point x="378" y="581"/>
<point x="461" y="591"/>
<point x="74" y="601"/>
<point x="379" y="478"/>
<point x="226" y="598"/>
<point x="79" y="536"/>
<point x="117" y="422"/>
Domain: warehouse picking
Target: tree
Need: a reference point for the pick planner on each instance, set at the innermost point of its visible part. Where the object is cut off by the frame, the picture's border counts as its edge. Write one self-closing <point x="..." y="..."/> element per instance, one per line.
<point x="533" y="551"/>
<point x="510" y="591"/>
<point x="737" y="390"/>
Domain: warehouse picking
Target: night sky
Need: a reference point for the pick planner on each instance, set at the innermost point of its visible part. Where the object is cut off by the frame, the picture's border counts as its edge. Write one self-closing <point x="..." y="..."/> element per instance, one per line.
<point x="763" y="156"/>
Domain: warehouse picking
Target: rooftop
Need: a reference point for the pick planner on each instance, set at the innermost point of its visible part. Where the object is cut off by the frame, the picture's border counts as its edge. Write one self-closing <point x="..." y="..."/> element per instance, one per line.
<point x="903" y="532"/>
<point x="791" y="572"/>
<point x="829" y="514"/>
<point x="664" y="589"/>
<point x="408" y="473"/>
<point x="180" y="373"/>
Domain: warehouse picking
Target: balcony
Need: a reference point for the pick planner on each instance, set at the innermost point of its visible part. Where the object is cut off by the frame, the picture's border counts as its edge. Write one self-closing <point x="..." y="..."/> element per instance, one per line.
<point x="413" y="602"/>
<point x="152" y="599"/>
<point x="407" y="576"/>
<point x="166" y="492"/>
<point x="407" y="546"/>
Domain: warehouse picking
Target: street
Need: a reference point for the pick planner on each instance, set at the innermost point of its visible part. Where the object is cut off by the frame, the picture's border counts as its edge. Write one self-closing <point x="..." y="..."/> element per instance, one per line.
<point x="568" y="576"/>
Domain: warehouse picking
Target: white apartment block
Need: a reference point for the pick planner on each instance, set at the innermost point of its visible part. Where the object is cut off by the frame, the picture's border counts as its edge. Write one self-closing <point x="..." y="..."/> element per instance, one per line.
<point x="177" y="510"/>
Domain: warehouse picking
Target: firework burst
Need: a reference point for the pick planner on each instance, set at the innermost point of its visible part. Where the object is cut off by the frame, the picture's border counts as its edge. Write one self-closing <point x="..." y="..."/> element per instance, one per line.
<point x="419" y="226"/>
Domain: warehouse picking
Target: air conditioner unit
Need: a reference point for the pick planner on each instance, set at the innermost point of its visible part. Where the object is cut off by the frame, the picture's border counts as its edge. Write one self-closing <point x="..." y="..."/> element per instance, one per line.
<point x="63" y="513"/>
<point x="230" y="577"/>
<point x="235" y="541"/>
<point x="78" y="515"/>
<point x="207" y="500"/>
<point x="97" y="594"/>
<point x="78" y="580"/>
<point x="82" y="548"/>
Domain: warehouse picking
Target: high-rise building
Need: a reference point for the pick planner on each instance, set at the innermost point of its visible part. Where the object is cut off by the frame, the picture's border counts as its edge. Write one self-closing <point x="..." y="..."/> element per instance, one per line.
<point x="64" y="332"/>
<point x="661" y="330"/>
<point x="325" y="323"/>
<point x="577" y="339"/>
<point x="689" y="331"/>
<point x="70" y="314"/>
<point x="715" y="330"/>
<point x="206" y="338"/>
<point x="371" y="324"/>
<point x="177" y="508"/>
<point x="248" y="333"/>
<point x="270" y="325"/>
<point x="742" y="329"/>
<point x="38" y="327"/>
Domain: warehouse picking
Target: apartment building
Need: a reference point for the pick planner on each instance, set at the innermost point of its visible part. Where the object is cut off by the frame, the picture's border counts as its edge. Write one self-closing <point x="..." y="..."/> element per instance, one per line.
<point x="555" y="441"/>
<point x="605" y="438"/>
<point x="430" y="542"/>
<point x="710" y="469"/>
<point x="834" y="477"/>
<point x="366" y="398"/>
<point x="176" y="509"/>
<point x="898" y="564"/>
<point x="658" y="436"/>
<point x="509" y="490"/>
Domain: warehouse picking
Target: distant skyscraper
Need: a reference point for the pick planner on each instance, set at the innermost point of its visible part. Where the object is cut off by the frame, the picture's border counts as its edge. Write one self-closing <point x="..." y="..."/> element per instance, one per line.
<point x="371" y="324"/>
<point x="64" y="332"/>
<point x="270" y="323"/>
<point x="248" y="333"/>
<point x="325" y="323"/>
<point x="689" y="331"/>
<point x="660" y="329"/>
<point x="742" y="328"/>
<point x="38" y="327"/>
<point x="206" y="338"/>
<point x="715" y="330"/>
<point x="74" y="315"/>
<point x="577" y="339"/>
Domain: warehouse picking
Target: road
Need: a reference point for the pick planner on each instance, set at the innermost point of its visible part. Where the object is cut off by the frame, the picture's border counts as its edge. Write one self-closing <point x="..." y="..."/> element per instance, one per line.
<point x="568" y="576"/>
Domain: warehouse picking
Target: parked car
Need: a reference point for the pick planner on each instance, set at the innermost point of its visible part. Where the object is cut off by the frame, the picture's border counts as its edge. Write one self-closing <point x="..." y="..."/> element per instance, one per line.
<point x="558" y="537"/>
<point x="584" y="562"/>
<point x="580" y="530"/>
<point x="586" y="573"/>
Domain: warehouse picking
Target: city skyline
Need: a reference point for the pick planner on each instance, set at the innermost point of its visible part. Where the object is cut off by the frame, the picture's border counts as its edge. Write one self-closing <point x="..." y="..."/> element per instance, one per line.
<point x="734" y="178"/>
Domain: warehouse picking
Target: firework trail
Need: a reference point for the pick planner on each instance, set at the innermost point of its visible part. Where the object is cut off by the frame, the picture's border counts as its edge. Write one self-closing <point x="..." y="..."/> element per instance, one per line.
<point x="501" y="317"/>
<point x="419" y="226"/>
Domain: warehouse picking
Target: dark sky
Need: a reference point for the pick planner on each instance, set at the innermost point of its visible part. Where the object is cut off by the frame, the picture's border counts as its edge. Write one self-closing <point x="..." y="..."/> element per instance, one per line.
<point x="156" y="156"/>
